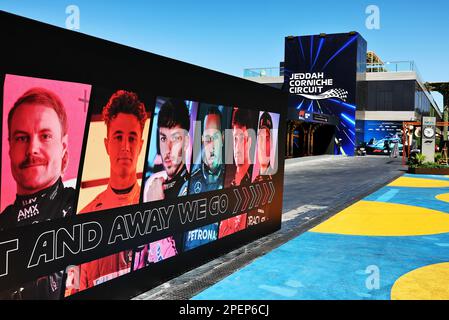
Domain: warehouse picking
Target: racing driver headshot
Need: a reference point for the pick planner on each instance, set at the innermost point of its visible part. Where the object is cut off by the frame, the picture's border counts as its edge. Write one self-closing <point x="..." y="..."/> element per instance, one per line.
<point x="264" y="148"/>
<point x="38" y="150"/>
<point x="241" y="128"/>
<point x="173" y="142"/>
<point x="124" y="116"/>
<point x="210" y="174"/>
<point x="265" y="172"/>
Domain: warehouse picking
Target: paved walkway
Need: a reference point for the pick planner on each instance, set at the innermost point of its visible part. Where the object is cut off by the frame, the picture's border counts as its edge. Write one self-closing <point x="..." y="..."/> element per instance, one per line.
<point x="393" y="244"/>
<point x="315" y="189"/>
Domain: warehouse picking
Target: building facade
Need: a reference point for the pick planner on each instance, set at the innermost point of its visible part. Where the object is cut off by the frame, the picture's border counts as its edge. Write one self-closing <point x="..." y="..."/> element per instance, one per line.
<point x="387" y="94"/>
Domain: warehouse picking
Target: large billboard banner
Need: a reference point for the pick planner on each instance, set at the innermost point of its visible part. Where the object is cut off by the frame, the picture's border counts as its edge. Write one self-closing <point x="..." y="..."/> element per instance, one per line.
<point x="121" y="169"/>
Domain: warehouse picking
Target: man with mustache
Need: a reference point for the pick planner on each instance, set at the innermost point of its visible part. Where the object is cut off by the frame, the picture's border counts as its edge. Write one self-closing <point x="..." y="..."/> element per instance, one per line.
<point x="38" y="149"/>
<point x="209" y="176"/>
<point x="173" y="125"/>
<point x="124" y="116"/>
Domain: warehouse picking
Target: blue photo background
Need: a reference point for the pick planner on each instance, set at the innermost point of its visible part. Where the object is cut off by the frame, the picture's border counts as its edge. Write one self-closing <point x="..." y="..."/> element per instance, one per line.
<point x="371" y="131"/>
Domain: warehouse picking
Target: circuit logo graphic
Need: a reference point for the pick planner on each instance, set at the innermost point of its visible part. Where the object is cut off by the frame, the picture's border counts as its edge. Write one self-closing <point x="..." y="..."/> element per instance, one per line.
<point x="332" y="93"/>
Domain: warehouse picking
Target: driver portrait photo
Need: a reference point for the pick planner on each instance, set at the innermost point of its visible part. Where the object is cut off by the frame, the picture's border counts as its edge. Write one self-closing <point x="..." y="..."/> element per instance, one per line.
<point x="243" y="141"/>
<point x="169" y="157"/>
<point x="39" y="142"/>
<point x="266" y="149"/>
<point x="209" y="169"/>
<point x="124" y="119"/>
<point x="124" y="116"/>
<point x="265" y="166"/>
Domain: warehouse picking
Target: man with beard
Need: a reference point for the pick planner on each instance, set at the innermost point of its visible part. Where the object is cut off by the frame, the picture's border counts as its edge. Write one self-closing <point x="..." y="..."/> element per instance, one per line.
<point x="125" y="117"/>
<point x="209" y="176"/>
<point x="173" y="125"/>
<point x="38" y="138"/>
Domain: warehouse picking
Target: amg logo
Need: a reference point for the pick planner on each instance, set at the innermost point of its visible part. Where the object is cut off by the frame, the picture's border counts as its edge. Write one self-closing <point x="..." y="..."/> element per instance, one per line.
<point x="27" y="213"/>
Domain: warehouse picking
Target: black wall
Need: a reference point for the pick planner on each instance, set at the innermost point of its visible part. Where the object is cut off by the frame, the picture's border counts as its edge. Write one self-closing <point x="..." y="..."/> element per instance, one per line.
<point x="39" y="50"/>
<point x="388" y="95"/>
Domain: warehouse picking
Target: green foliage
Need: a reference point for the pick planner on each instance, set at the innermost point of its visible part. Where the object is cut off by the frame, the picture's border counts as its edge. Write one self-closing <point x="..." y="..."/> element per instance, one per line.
<point x="419" y="159"/>
<point x="429" y="165"/>
<point x="433" y="165"/>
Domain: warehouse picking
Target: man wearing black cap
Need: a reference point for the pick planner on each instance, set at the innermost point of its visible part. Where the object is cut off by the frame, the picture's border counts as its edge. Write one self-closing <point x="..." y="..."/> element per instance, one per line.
<point x="264" y="146"/>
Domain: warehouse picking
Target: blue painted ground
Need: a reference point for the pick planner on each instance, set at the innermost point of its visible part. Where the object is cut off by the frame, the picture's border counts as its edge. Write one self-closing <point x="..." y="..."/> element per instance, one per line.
<point x="427" y="176"/>
<point x="331" y="266"/>
<point x="327" y="266"/>
<point x="420" y="197"/>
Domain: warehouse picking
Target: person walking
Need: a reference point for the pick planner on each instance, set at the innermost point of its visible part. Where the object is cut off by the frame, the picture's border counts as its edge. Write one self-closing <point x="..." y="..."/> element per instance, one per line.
<point x="395" y="152"/>
<point x="387" y="146"/>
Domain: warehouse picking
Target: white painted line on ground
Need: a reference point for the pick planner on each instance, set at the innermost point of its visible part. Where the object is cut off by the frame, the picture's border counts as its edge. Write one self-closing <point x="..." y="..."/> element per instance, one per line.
<point x="292" y="214"/>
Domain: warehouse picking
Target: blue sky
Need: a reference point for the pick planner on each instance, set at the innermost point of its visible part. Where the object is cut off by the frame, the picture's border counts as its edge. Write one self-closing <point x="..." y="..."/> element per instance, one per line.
<point x="230" y="35"/>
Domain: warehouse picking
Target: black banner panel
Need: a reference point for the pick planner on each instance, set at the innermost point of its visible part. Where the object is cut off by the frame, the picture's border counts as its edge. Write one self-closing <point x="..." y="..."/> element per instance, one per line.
<point x="122" y="169"/>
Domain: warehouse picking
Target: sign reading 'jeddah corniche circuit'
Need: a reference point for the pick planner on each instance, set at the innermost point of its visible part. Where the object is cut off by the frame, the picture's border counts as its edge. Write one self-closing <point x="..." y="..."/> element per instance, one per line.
<point x="311" y="86"/>
<point x="320" y="75"/>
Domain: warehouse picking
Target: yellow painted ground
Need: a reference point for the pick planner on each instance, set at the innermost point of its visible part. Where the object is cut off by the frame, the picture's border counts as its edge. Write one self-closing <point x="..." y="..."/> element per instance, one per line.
<point x="443" y="197"/>
<point x="419" y="183"/>
<point x="369" y="218"/>
<point x="426" y="283"/>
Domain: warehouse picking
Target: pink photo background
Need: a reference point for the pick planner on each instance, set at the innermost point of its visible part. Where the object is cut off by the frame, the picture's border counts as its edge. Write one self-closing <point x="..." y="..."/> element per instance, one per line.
<point x="69" y="93"/>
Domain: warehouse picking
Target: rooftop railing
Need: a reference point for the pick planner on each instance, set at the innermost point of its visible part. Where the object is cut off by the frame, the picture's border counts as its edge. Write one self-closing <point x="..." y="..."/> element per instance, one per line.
<point x="263" y="72"/>
<point x="394" y="66"/>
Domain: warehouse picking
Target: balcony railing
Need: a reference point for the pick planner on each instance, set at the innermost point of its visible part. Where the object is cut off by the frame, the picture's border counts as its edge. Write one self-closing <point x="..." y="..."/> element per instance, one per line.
<point x="263" y="72"/>
<point x="394" y="66"/>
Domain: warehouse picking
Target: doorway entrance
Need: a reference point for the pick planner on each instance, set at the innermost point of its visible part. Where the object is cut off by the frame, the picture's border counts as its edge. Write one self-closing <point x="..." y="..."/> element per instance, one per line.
<point x="309" y="139"/>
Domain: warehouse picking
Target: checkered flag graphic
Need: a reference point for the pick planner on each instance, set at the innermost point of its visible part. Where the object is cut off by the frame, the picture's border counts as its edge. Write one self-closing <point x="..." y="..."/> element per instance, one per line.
<point x="336" y="93"/>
